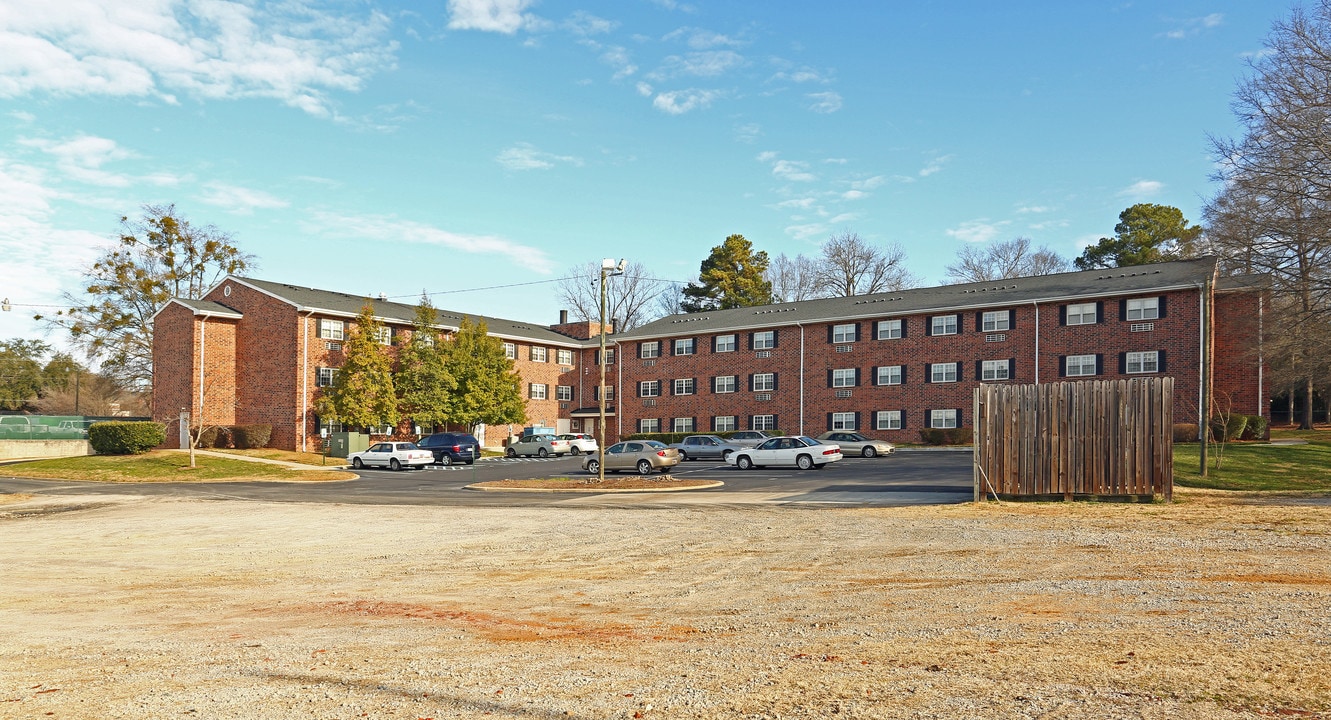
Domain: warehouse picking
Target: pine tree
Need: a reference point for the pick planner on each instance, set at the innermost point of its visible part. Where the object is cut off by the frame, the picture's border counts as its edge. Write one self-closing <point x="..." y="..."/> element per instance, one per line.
<point x="424" y="383"/>
<point x="732" y="276"/>
<point x="362" y="391"/>
<point x="489" y="390"/>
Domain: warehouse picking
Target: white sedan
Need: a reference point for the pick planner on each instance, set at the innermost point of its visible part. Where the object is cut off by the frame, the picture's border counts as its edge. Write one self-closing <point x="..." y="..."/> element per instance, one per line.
<point x="802" y="452"/>
<point x="538" y="445"/>
<point x="395" y="455"/>
<point x="580" y="442"/>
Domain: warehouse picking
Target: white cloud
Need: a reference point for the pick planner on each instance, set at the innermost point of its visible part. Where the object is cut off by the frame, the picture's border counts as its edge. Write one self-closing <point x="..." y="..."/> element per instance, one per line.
<point x="525" y="156"/>
<point x="1033" y="209"/>
<point x="82" y="157"/>
<point x="700" y="39"/>
<point x="825" y="102"/>
<point x="868" y="183"/>
<point x="708" y="63"/>
<point x="807" y="231"/>
<point x="766" y="156"/>
<point x="23" y="117"/>
<point x="1195" y="26"/>
<point x="678" y="102"/>
<point x="836" y="161"/>
<point x="934" y="165"/>
<point x="748" y="132"/>
<point x="854" y="195"/>
<point x="977" y="231"/>
<point x="793" y="170"/>
<point x="502" y="16"/>
<point x="644" y="88"/>
<point x="239" y="200"/>
<point x="585" y="23"/>
<point x="675" y="5"/>
<point x="803" y="203"/>
<point x="220" y="49"/>
<point x="618" y="57"/>
<point x="1142" y="189"/>
<point x="391" y="230"/>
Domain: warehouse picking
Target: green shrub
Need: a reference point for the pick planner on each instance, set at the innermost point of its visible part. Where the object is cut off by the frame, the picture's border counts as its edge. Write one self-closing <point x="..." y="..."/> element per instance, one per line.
<point x="115" y="437"/>
<point x="207" y="438"/>
<point x="672" y="438"/>
<point x="947" y="436"/>
<point x="1256" y="429"/>
<point x="1226" y="430"/>
<point x="1186" y="432"/>
<point x="247" y="437"/>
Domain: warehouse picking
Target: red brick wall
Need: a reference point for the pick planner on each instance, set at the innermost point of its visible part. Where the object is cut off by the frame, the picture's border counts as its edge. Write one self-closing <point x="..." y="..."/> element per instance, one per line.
<point x="1239" y="384"/>
<point x="177" y="334"/>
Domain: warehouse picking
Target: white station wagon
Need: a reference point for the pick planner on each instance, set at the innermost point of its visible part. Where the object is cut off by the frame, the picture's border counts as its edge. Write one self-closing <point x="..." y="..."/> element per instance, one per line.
<point x="802" y="452"/>
<point x="394" y="455"/>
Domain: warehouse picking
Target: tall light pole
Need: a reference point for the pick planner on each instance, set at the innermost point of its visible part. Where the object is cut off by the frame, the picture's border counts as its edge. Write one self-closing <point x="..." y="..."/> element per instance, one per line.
<point x="608" y="269"/>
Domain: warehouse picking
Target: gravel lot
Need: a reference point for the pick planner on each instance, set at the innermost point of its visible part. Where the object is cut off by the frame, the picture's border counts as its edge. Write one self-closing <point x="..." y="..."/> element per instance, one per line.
<point x="130" y="607"/>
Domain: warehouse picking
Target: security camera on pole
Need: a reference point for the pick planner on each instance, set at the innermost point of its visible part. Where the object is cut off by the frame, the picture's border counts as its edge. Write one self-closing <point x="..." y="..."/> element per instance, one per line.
<point x="608" y="269"/>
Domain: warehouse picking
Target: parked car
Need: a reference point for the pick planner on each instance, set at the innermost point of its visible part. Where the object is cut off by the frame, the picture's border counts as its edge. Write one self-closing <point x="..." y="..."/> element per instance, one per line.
<point x="749" y="438"/>
<point x="451" y="447"/>
<point x="643" y="456"/>
<point x="538" y="445"/>
<point x="853" y="443"/>
<point x="580" y="442"/>
<point x="704" y="447"/>
<point x="802" y="452"/>
<point x="395" y="455"/>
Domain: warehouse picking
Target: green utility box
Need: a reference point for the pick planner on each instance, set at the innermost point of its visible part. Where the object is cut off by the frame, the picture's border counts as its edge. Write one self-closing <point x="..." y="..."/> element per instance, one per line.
<point x="342" y="444"/>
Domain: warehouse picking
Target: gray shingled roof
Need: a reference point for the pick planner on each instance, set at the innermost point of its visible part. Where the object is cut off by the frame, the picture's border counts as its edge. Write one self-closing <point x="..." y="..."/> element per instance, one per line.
<point x="1044" y="288"/>
<point x="335" y="303"/>
<point x="208" y="307"/>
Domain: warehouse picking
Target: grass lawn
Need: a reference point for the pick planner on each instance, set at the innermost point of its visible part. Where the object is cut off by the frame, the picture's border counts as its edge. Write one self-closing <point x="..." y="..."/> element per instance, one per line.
<point x="304" y="458"/>
<point x="160" y="466"/>
<point x="1254" y="466"/>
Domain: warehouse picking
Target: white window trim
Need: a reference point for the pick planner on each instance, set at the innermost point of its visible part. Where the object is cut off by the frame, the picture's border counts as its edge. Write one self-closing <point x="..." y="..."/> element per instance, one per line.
<point x="331" y="329"/>
<point x="767" y="422"/>
<point x="732" y="423"/>
<point x="1141" y="362"/>
<point x="680" y="382"/>
<point x="649" y="388"/>
<point x="996" y="321"/>
<point x="843" y="377"/>
<point x="939" y="419"/>
<point x="682" y="425"/>
<point x="650" y="350"/>
<point x="883" y="420"/>
<point x="1143" y="305"/>
<point x="1083" y="310"/>
<point x="995" y="366"/>
<point x="319" y="376"/>
<point x="1082" y="361"/>
<point x="734" y="383"/>
<point x="510" y="351"/>
<point x="890" y="326"/>
<point x="843" y="421"/>
<point x="729" y="346"/>
<point x="538" y="391"/>
<point x="937" y="377"/>
<point x="764" y="340"/>
<point x="845" y="333"/>
<point x="384" y="335"/>
<point x="649" y="425"/>
<point x="564" y="357"/>
<point x="938" y="324"/>
<point x="538" y="353"/>
<point x="767" y="384"/>
<point x="892" y="378"/>
<point x="564" y="393"/>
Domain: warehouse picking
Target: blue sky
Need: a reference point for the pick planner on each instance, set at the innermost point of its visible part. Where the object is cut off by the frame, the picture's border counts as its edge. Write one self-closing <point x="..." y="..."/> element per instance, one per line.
<point x="373" y="147"/>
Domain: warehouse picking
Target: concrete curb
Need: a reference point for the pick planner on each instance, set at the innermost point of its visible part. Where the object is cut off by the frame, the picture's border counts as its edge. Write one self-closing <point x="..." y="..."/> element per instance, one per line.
<point x="591" y="490"/>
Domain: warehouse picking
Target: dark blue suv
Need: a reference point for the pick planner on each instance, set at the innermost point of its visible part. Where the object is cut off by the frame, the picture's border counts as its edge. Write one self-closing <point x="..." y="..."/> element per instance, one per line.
<point x="451" y="447"/>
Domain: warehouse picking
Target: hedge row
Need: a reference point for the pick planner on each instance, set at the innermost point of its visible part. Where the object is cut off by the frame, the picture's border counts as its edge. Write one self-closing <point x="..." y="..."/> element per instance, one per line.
<point x="672" y="438"/>
<point x="947" y="436"/>
<point x="1237" y="427"/>
<point x="235" y="436"/>
<point x="117" y="437"/>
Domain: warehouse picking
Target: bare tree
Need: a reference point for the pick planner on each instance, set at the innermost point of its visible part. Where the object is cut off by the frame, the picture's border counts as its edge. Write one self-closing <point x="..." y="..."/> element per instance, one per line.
<point x="793" y="279"/>
<point x="849" y="265"/>
<point x="671" y="299"/>
<point x="629" y="297"/>
<point x="1006" y="259"/>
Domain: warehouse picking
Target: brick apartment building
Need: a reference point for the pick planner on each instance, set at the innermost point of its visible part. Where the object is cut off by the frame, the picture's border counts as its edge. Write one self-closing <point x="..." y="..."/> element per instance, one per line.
<point x="888" y="364"/>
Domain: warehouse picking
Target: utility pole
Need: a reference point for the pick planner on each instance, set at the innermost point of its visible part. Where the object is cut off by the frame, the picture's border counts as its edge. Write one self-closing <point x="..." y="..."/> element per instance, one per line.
<point x="608" y="269"/>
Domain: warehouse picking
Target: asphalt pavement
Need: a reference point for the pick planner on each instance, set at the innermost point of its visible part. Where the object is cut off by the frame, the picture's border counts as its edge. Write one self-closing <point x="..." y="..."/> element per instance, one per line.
<point x="905" y="478"/>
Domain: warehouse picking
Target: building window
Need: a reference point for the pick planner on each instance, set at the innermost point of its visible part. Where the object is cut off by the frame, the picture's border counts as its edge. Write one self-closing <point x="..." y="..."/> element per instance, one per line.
<point x="325" y="377"/>
<point x="609" y="356"/>
<point x="887" y="420"/>
<point x="649" y="349"/>
<point x="723" y="423"/>
<point x="1082" y="314"/>
<point x="995" y="370"/>
<point x="683" y="425"/>
<point x="943" y="372"/>
<point x="425" y="338"/>
<point x="649" y="425"/>
<point x="889" y="375"/>
<point x="942" y="418"/>
<point x="684" y="386"/>
<point x="765" y="340"/>
<point x="538" y="354"/>
<point x="847" y="333"/>
<point x="844" y="377"/>
<point x="1144" y="309"/>
<point x="685" y="346"/>
<point x="538" y="391"/>
<point x="944" y="325"/>
<point x="889" y="329"/>
<point x="723" y="343"/>
<point x="510" y="351"/>
<point x="762" y="422"/>
<point x="649" y="388"/>
<point x="609" y="393"/>
<point x="383" y="335"/>
<point x="564" y="357"/>
<point x="996" y="321"/>
<point x="843" y="421"/>
<point x="764" y="382"/>
<point x="331" y="329"/>
<point x="564" y="393"/>
<point x="1143" y="362"/>
<point x="1079" y="365"/>
<point x="724" y="384"/>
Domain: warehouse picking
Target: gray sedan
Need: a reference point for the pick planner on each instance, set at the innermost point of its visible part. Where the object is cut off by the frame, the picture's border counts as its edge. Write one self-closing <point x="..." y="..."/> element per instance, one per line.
<point x="704" y="447"/>
<point x="853" y="443"/>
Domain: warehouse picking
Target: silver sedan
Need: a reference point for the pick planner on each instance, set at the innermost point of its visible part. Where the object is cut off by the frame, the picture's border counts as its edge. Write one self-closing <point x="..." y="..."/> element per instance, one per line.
<point x="853" y="443"/>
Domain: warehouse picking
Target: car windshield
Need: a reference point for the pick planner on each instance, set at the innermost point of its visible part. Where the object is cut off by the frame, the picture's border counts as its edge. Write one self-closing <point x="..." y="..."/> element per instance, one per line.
<point x="856" y="437"/>
<point x="407" y="446"/>
<point x="809" y="441"/>
<point x="654" y="444"/>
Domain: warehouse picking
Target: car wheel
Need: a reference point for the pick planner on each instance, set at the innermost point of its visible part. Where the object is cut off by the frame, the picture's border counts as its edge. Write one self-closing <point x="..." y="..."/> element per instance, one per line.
<point x="574" y="450"/>
<point x="804" y="462"/>
<point x="542" y="452"/>
<point x="868" y="451"/>
<point x="446" y="459"/>
<point x="394" y="465"/>
<point x="356" y="463"/>
<point x="468" y="462"/>
<point x="511" y="453"/>
<point x="744" y="463"/>
<point x="593" y="467"/>
<point x="683" y="456"/>
<point x="726" y="455"/>
<point x="644" y="467"/>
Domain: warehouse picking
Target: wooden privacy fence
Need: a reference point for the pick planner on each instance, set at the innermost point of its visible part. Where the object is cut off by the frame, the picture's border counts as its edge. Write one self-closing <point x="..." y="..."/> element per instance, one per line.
<point x="1097" y="437"/>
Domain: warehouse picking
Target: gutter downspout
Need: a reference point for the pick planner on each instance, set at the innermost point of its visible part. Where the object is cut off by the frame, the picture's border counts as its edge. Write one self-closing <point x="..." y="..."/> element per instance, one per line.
<point x="203" y="341"/>
<point x="619" y="393"/>
<point x="801" y="327"/>
<point x="1036" y="304"/>
<point x="1204" y="370"/>
<point x="305" y="382"/>
<point x="1261" y="354"/>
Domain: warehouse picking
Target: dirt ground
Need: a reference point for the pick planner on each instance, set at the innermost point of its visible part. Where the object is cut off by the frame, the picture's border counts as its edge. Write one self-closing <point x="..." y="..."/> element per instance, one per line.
<point x="128" y="607"/>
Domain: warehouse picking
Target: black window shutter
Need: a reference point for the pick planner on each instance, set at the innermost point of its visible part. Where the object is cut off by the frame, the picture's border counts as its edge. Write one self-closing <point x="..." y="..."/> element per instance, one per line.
<point x="877" y="376"/>
<point x="928" y="326"/>
<point x="1122" y="363"/>
<point x="1099" y="363"/>
<point x="829" y="378"/>
<point x="1122" y="309"/>
<point x="1162" y="306"/>
<point x="1012" y="369"/>
<point x="903" y="419"/>
<point x="1062" y="314"/>
<point x="750" y="341"/>
<point x="1062" y="365"/>
<point x="928" y="372"/>
<point x="857" y="377"/>
<point x="776" y="423"/>
<point x="695" y="386"/>
<point x="1011" y="319"/>
<point x="1160" y="355"/>
<point x="750" y="382"/>
<point x="829" y="333"/>
<point x="693" y="422"/>
<point x="857" y="325"/>
<point x="928" y="418"/>
<point x="903" y="374"/>
<point x="773" y="382"/>
<point x="1099" y="311"/>
<point x="959" y="419"/>
<point x="774" y="334"/>
<point x="857" y="420"/>
<point x="979" y="369"/>
<point x="903" y="327"/>
<point x="961" y="323"/>
<point x="829" y="421"/>
<point x="979" y="321"/>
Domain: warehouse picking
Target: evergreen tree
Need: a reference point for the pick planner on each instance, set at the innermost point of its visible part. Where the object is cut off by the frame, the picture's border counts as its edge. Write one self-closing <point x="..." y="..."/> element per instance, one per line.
<point x="1145" y="233"/>
<point x="732" y="276"/>
<point x="489" y="390"/>
<point x="362" y="391"/>
<point x="423" y="382"/>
